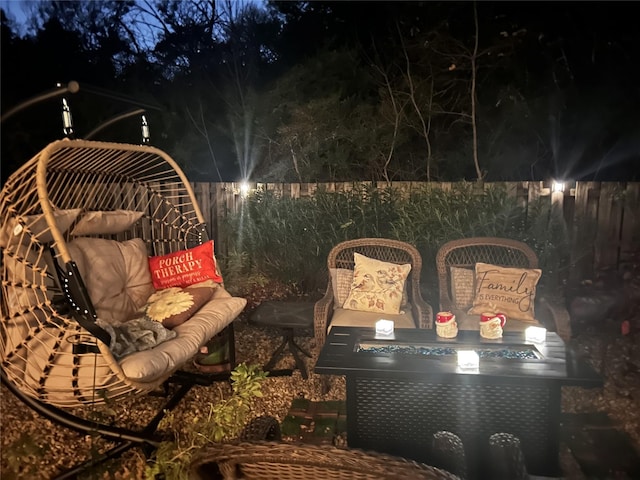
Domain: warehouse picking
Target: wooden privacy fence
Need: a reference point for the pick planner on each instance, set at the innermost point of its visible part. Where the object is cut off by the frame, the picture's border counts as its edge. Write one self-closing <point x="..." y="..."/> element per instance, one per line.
<point x="602" y="218"/>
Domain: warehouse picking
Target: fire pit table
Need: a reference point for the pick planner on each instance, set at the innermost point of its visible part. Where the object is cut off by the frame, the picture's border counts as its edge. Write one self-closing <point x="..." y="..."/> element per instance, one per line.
<point x="402" y="390"/>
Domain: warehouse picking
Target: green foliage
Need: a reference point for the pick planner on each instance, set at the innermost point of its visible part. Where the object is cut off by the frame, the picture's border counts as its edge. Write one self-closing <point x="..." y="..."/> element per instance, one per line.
<point x="277" y="234"/>
<point x="433" y="216"/>
<point x="547" y="234"/>
<point x="289" y="239"/>
<point x="21" y="455"/>
<point x="223" y="421"/>
<point x="290" y="90"/>
<point x="321" y="121"/>
<point x="239" y="276"/>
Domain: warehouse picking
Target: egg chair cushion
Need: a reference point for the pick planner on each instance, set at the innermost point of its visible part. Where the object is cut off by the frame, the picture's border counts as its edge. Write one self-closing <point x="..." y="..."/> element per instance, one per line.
<point x="19" y="230"/>
<point x="118" y="281"/>
<point x="116" y="275"/>
<point x="209" y="320"/>
<point x="105" y="223"/>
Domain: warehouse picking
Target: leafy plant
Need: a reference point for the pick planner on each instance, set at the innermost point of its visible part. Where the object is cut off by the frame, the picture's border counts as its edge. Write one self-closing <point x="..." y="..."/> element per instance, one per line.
<point x="239" y="275"/>
<point x="289" y="239"/>
<point x="20" y="457"/>
<point x="22" y="454"/>
<point x="223" y="421"/>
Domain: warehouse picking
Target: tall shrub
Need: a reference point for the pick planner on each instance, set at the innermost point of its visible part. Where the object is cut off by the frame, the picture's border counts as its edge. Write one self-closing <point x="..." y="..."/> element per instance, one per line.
<point x="289" y="239"/>
<point x="433" y="216"/>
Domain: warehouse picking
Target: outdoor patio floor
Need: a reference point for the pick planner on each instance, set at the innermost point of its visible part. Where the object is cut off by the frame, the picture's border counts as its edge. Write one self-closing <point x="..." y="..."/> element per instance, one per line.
<point x="593" y="446"/>
<point x="598" y="433"/>
<point x="598" y="448"/>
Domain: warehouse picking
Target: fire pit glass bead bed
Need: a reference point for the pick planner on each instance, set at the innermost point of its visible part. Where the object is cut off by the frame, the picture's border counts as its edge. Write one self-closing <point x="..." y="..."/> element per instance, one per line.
<point x="523" y="352"/>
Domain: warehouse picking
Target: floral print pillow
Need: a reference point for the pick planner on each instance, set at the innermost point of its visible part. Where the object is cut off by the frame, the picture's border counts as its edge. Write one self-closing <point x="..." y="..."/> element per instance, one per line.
<point x="377" y="286"/>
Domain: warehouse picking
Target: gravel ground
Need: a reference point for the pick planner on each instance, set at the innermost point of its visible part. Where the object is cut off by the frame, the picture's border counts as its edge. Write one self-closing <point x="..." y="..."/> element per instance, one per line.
<point x="33" y="447"/>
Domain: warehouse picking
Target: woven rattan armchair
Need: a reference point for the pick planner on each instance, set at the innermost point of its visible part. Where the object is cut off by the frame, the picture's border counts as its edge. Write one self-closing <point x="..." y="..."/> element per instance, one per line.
<point x="393" y="251"/>
<point x="465" y="253"/>
<point x="281" y="461"/>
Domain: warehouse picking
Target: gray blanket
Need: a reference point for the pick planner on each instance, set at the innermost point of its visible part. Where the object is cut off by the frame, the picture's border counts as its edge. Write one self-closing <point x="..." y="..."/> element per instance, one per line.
<point x="135" y="335"/>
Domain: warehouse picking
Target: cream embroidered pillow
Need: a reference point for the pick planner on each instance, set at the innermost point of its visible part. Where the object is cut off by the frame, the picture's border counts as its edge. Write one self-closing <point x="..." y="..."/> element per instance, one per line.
<point x="511" y="291"/>
<point x="341" y="280"/>
<point x="377" y="286"/>
<point x="462" y="286"/>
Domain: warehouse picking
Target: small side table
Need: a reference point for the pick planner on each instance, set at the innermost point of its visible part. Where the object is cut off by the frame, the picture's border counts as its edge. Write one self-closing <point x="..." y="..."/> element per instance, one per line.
<point x="286" y="316"/>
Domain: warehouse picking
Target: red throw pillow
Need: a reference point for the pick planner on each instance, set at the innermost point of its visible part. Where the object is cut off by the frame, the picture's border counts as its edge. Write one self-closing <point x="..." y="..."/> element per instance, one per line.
<point x="184" y="268"/>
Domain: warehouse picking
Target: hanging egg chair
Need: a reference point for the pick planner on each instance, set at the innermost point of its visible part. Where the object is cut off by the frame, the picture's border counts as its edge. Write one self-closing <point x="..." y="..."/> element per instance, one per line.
<point x="78" y="224"/>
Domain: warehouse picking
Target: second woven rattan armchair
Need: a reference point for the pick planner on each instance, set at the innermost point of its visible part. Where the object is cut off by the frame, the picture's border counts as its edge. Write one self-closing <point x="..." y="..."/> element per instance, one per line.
<point x="416" y="313"/>
<point x="463" y="254"/>
<point x="280" y="460"/>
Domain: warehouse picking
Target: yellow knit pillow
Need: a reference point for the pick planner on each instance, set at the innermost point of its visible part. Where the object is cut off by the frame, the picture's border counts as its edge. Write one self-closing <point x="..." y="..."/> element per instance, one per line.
<point x="173" y="306"/>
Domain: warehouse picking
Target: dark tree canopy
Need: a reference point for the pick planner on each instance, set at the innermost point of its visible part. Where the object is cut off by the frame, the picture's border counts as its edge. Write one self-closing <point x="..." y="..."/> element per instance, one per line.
<point x="344" y="90"/>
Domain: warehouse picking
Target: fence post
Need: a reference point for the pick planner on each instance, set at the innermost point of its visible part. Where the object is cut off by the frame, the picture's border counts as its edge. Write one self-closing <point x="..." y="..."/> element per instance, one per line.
<point x="630" y="232"/>
<point x="609" y="224"/>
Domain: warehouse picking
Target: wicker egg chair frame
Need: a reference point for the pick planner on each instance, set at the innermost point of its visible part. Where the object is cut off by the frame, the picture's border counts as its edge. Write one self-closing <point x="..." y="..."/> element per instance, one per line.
<point x="48" y="326"/>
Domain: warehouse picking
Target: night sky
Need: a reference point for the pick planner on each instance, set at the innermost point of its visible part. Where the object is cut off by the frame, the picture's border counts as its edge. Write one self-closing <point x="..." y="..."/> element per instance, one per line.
<point x="593" y="94"/>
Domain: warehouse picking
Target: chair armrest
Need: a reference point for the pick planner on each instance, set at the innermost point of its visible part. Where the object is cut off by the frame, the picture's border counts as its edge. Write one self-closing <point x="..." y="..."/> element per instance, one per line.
<point x="321" y="311"/>
<point x="422" y="312"/>
<point x="553" y="311"/>
<point x="260" y="459"/>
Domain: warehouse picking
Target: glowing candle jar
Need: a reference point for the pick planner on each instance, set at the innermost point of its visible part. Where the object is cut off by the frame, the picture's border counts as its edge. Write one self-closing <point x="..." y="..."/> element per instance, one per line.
<point x="535" y="334"/>
<point x="384" y="329"/>
<point x="468" y="359"/>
